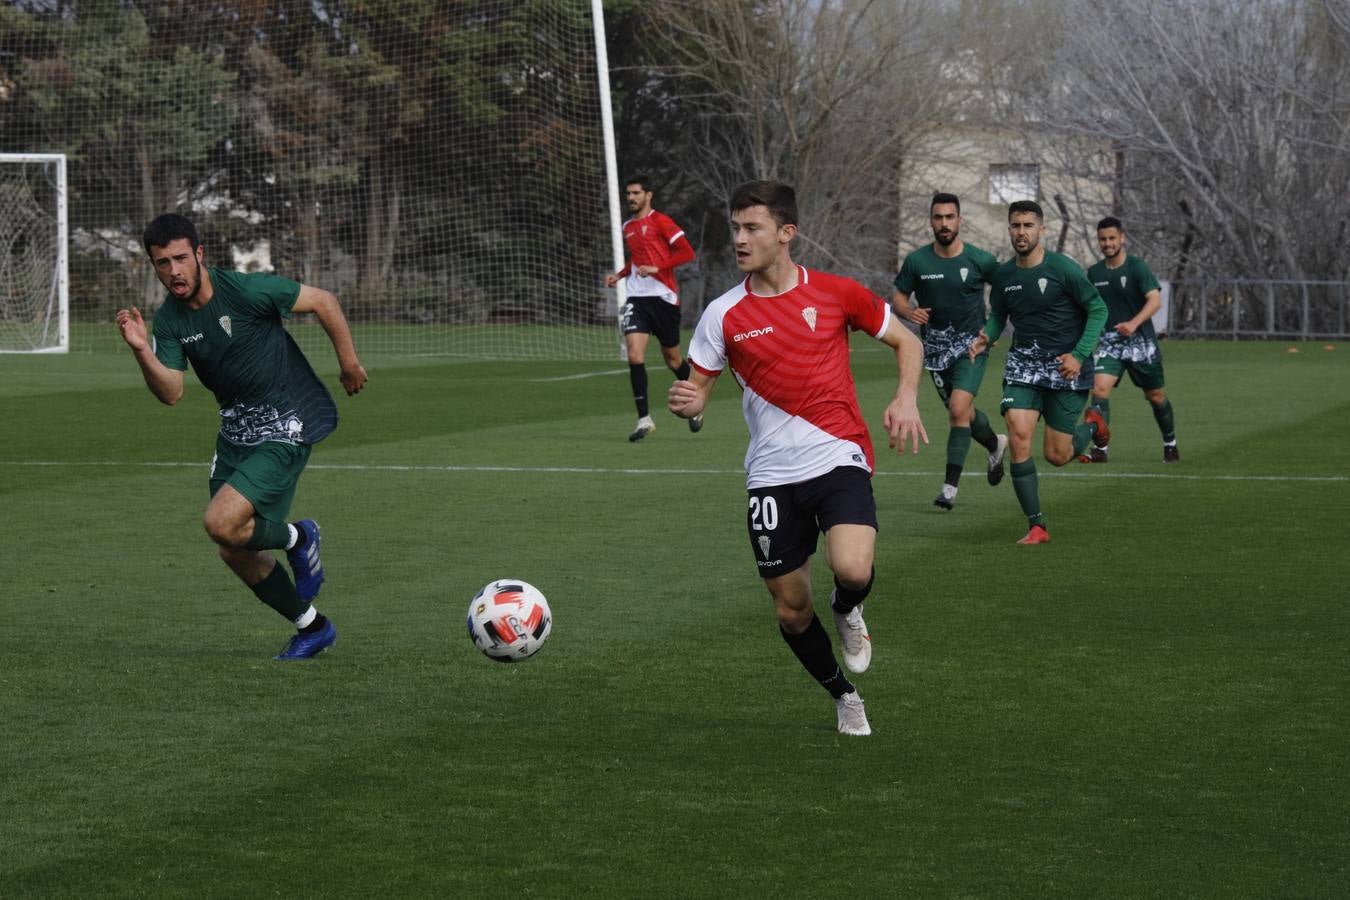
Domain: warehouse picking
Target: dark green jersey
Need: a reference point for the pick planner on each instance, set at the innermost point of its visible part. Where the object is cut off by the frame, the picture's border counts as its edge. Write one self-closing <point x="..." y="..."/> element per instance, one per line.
<point x="1125" y="290"/>
<point x="1054" y="310"/>
<point x="952" y="290"/>
<point x="240" y="350"/>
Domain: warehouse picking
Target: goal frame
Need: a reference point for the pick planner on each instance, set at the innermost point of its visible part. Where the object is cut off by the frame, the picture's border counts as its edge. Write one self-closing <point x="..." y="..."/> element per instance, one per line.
<point x="62" y="248"/>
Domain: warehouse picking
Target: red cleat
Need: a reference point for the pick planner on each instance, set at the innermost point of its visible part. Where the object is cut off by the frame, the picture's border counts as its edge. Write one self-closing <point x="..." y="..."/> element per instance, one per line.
<point x="1037" y="535"/>
<point x="1096" y="455"/>
<point x="1103" y="435"/>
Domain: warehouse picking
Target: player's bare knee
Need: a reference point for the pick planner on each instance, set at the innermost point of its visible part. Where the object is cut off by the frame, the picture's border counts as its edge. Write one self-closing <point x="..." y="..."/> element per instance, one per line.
<point x="222" y="530"/>
<point x="793" y="619"/>
<point x="854" y="575"/>
<point x="1056" y="457"/>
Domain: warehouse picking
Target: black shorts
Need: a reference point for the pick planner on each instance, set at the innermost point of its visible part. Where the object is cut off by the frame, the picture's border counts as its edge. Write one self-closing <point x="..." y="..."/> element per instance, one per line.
<point x="784" y="521"/>
<point x="652" y="315"/>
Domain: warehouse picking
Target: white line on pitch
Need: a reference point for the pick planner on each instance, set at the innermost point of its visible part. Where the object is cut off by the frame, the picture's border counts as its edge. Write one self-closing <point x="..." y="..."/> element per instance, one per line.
<point x="580" y="376"/>
<point x="585" y="470"/>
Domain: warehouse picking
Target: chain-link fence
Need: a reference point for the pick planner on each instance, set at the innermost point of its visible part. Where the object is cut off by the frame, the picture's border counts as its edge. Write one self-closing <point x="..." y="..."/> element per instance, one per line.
<point x="1243" y="309"/>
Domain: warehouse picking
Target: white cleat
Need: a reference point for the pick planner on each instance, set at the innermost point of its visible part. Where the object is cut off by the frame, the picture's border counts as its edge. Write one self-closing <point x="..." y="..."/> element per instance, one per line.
<point x="645" y="426"/>
<point x="852" y="716"/>
<point x="996" y="460"/>
<point x="857" y="643"/>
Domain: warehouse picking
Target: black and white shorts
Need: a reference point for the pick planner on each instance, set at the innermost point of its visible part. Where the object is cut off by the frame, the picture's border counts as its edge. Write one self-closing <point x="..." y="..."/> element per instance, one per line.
<point x="784" y="521"/>
<point x="652" y="315"/>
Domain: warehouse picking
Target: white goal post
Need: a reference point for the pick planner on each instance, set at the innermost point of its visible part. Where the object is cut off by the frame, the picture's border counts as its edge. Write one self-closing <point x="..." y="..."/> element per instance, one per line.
<point x="34" y="267"/>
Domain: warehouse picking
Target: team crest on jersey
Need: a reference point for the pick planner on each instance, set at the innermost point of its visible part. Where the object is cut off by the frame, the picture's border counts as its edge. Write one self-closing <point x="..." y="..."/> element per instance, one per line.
<point x="225" y="323"/>
<point x="764" y="545"/>
<point x="964" y="273"/>
<point x="1042" y="282"/>
<point x="644" y="230"/>
<point x="1122" y="281"/>
<point x="809" y="314"/>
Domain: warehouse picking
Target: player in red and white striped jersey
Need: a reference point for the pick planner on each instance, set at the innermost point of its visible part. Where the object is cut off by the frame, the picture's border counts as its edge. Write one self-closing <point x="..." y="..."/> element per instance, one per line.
<point x="656" y="245"/>
<point x="783" y="332"/>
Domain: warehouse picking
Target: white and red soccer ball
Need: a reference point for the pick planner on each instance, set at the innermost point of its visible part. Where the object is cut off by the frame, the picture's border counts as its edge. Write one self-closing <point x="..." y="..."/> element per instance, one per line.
<point x="509" y="620"/>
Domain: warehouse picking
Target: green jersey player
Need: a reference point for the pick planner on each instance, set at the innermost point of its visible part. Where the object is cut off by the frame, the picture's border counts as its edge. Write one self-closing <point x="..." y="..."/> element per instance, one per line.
<point x="1057" y="317"/>
<point x="1128" y="344"/>
<point x="944" y="281"/>
<point x="273" y="408"/>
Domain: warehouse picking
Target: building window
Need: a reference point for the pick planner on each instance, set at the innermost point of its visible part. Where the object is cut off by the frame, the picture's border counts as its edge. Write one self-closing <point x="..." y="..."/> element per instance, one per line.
<point x="1014" y="181"/>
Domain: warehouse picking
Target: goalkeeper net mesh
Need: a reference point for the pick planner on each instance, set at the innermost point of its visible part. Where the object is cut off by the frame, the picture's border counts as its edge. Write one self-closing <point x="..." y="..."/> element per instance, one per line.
<point x="438" y="166"/>
<point x="32" y="254"/>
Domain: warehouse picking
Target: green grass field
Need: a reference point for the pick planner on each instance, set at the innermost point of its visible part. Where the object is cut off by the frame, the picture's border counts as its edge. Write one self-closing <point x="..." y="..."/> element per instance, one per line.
<point x="1155" y="704"/>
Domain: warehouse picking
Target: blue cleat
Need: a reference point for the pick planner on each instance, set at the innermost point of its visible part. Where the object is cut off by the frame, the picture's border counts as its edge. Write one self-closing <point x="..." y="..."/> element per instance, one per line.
<point x="308" y="646"/>
<point x="305" y="561"/>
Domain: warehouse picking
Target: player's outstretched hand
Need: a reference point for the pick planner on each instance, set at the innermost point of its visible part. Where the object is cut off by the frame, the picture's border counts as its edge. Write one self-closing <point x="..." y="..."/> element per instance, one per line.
<point x="684" y="400"/>
<point x="353" y="379"/>
<point x="132" y="327"/>
<point x="903" y="424"/>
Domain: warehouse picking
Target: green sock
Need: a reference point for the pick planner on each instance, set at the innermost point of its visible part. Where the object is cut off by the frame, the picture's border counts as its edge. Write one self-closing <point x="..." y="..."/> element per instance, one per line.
<point x="1163" y="416"/>
<point x="983" y="432"/>
<point x="1027" y="489"/>
<point x="1083" y="434"/>
<point x="958" y="446"/>
<point x="268" y="535"/>
<point x="1103" y="407"/>
<point x="278" y="591"/>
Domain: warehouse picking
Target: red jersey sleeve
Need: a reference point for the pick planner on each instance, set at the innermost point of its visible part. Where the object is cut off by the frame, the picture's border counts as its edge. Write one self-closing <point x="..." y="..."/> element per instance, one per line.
<point x="678" y="248"/>
<point x="863" y="310"/>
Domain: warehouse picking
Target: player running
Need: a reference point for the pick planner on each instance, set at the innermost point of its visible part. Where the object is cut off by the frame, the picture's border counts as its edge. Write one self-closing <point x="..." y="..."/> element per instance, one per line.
<point x="946" y="280"/>
<point x="1129" y="343"/>
<point x="1057" y="316"/>
<point x="273" y="409"/>
<point x="784" y="333"/>
<point x="656" y="245"/>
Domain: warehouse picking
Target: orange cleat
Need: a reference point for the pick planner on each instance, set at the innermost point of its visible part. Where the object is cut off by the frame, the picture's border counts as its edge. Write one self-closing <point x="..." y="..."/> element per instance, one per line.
<point x="1037" y="535"/>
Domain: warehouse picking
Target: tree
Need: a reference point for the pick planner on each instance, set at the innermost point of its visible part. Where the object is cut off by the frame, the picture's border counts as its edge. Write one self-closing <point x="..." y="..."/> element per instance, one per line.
<point x="1225" y="123"/>
<point x="831" y="97"/>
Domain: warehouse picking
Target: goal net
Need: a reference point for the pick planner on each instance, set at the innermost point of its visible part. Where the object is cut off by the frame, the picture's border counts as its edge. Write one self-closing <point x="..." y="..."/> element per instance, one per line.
<point x="441" y="167"/>
<point x="34" y="302"/>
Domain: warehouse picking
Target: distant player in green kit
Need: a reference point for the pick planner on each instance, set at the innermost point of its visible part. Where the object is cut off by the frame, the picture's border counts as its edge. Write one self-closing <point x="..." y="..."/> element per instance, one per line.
<point x="1057" y="317"/>
<point x="1129" y="343"/>
<point x="273" y="408"/>
<point x="946" y="280"/>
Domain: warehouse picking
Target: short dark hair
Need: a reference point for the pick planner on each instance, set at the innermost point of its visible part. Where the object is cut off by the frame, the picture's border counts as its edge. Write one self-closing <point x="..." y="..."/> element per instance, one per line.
<point x="167" y="228"/>
<point x="944" y="197"/>
<point x="1110" y="222"/>
<point x="1025" y="206"/>
<point x="641" y="179"/>
<point x="778" y="198"/>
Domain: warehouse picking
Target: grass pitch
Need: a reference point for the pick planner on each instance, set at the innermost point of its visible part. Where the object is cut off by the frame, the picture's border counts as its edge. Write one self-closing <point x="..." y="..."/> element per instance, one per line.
<point x="1153" y="704"/>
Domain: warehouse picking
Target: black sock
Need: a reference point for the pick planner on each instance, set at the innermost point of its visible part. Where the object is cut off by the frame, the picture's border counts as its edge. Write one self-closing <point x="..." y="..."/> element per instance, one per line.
<point x="953" y="475"/>
<point x="682" y="372"/>
<point x="301" y="538"/>
<point x="319" y="621"/>
<point x="278" y="591"/>
<point x="813" y="649"/>
<point x="846" y="600"/>
<point x="637" y="376"/>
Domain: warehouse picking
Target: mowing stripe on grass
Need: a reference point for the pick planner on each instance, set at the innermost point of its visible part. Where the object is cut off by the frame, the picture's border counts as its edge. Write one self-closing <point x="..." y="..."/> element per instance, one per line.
<point x="595" y="470"/>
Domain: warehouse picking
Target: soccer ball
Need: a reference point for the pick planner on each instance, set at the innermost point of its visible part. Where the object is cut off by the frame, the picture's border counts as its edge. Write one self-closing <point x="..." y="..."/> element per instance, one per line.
<point x="509" y="620"/>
